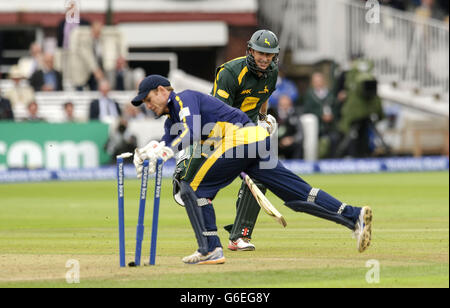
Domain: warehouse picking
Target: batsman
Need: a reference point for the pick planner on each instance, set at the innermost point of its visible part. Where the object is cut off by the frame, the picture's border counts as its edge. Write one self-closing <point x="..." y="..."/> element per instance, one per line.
<point x="245" y="83"/>
<point x="232" y="144"/>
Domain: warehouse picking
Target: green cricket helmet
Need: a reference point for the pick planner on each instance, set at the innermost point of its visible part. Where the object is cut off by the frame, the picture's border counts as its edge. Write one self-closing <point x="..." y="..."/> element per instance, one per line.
<point x="263" y="41"/>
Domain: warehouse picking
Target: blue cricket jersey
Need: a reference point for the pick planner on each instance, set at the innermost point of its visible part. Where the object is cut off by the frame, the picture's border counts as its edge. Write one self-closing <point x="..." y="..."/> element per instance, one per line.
<point x="192" y="116"/>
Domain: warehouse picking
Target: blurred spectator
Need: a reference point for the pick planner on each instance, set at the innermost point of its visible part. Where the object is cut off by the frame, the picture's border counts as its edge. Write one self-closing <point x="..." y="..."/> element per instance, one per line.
<point x="138" y="75"/>
<point x="122" y="78"/>
<point x="104" y="108"/>
<point x="84" y="64"/>
<point x="96" y="32"/>
<point x="33" y="113"/>
<point x="64" y="29"/>
<point x="120" y="141"/>
<point x="69" y="115"/>
<point x="429" y="9"/>
<point x="284" y="86"/>
<point x="320" y="101"/>
<point x="290" y="134"/>
<point x="132" y="113"/>
<point x="21" y="93"/>
<point x="94" y="52"/>
<point x="28" y="65"/>
<point x="137" y="113"/>
<point x="47" y="78"/>
<point x="6" y="112"/>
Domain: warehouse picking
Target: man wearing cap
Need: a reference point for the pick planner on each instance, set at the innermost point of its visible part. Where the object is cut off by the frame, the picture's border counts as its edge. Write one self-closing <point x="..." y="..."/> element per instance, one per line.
<point x="20" y="94"/>
<point x="245" y="83"/>
<point x="231" y="144"/>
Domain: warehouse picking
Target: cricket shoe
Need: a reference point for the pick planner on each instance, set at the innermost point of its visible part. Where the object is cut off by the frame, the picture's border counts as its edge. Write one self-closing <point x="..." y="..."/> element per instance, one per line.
<point x="214" y="257"/>
<point x="363" y="229"/>
<point x="242" y="244"/>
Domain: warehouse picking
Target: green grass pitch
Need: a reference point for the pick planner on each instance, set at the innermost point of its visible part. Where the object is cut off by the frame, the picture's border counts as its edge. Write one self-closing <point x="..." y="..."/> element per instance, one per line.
<point x="45" y="225"/>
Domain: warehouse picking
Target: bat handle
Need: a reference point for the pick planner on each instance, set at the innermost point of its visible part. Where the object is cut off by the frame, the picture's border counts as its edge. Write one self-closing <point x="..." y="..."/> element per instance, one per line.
<point x="243" y="175"/>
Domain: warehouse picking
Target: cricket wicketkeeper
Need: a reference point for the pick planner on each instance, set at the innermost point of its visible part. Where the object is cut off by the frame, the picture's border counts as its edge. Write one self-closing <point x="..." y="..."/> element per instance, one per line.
<point x="231" y="144"/>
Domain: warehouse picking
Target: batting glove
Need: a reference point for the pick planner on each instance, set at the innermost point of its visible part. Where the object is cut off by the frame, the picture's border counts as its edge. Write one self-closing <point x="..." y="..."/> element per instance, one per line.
<point x="269" y="123"/>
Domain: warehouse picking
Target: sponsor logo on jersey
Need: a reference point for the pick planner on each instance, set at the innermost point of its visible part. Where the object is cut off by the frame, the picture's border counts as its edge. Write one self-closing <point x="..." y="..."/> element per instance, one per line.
<point x="266" y="90"/>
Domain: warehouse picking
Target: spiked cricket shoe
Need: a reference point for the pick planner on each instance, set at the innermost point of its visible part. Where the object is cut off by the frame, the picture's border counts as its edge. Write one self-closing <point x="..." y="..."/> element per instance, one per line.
<point x="242" y="244"/>
<point x="214" y="257"/>
<point x="363" y="229"/>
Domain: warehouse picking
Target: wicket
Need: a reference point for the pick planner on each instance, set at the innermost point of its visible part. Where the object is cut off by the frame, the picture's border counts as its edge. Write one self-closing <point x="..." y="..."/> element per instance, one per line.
<point x="158" y="184"/>
<point x="120" y="194"/>
<point x="142" y="201"/>
<point x="140" y="225"/>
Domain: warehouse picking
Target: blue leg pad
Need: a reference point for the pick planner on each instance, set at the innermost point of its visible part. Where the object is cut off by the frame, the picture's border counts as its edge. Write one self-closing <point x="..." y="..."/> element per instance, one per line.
<point x="321" y="212"/>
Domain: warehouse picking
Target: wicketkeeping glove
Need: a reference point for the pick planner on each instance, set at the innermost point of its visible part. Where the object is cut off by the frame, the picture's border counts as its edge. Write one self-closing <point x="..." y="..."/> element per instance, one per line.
<point x="138" y="160"/>
<point x="152" y="152"/>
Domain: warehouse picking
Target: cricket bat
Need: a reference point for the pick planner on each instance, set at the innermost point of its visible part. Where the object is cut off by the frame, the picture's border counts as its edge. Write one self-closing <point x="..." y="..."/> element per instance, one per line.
<point x="263" y="202"/>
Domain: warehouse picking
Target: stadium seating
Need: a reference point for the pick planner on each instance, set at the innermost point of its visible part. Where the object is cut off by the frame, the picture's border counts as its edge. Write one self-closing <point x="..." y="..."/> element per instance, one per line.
<point x="51" y="104"/>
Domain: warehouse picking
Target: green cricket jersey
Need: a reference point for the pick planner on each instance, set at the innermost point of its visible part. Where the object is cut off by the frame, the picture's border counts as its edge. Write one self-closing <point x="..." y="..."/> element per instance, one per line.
<point x="237" y="86"/>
